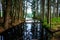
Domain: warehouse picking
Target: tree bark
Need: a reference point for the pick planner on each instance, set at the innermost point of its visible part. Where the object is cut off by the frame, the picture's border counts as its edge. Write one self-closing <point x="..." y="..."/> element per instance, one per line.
<point x="48" y="14"/>
<point x="21" y="11"/>
<point x="54" y="9"/>
<point x="42" y="9"/>
<point x="57" y="9"/>
<point x="7" y="16"/>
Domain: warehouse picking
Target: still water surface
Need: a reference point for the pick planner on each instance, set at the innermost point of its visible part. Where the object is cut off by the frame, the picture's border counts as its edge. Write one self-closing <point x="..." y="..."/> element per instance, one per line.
<point x="32" y="30"/>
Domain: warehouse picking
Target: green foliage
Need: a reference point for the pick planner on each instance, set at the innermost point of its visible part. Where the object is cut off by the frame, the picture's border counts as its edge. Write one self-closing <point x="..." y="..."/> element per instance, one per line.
<point x="54" y="22"/>
<point x="0" y="14"/>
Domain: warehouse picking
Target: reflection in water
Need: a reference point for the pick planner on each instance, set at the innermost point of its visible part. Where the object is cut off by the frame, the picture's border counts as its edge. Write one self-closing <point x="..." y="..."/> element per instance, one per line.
<point x="31" y="31"/>
<point x="1" y="37"/>
<point x="28" y="27"/>
<point x="25" y="31"/>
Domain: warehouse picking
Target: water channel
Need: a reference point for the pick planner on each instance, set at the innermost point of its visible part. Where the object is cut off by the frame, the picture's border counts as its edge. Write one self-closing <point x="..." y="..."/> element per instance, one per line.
<point x="29" y="30"/>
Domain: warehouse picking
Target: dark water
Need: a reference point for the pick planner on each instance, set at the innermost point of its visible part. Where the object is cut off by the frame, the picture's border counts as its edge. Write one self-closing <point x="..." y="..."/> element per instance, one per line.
<point x="27" y="31"/>
<point x="32" y="30"/>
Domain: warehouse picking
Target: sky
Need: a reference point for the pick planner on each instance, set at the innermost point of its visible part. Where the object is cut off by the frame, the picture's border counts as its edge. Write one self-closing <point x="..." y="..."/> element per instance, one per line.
<point x="29" y="10"/>
<point x="29" y="7"/>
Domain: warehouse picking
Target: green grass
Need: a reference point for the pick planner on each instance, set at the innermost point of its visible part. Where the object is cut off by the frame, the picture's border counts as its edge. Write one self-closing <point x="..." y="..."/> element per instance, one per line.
<point x="54" y="22"/>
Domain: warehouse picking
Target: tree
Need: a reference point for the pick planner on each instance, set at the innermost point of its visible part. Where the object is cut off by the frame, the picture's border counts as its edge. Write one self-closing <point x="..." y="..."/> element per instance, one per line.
<point x="42" y="8"/>
<point x="7" y="7"/>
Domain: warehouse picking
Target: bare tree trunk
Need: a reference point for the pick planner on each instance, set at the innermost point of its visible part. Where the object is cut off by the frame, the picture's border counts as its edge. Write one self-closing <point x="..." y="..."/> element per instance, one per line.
<point x="21" y="11"/>
<point x="54" y="9"/>
<point x="48" y="14"/>
<point x="57" y="9"/>
<point x="3" y="7"/>
<point x="14" y="11"/>
<point x="42" y="9"/>
<point x="7" y="16"/>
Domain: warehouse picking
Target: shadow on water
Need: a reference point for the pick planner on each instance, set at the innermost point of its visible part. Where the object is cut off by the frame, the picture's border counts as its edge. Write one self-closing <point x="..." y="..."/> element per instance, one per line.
<point x="29" y="30"/>
<point x="32" y="30"/>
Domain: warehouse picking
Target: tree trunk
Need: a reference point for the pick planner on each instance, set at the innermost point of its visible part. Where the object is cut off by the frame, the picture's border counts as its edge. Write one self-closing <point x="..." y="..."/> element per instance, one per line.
<point x="21" y="11"/>
<point x="7" y="16"/>
<point x="54" y="9"/>
<point x="48" y="12"/>
<point x="42" y="9"/>
<point x="57" y="9"/>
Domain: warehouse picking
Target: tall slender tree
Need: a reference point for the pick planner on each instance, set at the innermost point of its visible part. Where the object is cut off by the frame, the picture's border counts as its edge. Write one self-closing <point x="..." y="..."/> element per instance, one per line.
<point x="21" y="11"/>
<point x="57" y="9"/>
<point x="7" y="12"/>
<point x="48" y="14"/>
